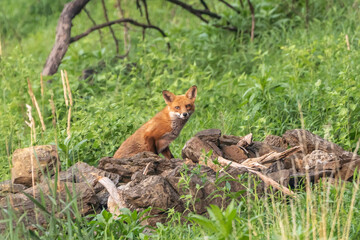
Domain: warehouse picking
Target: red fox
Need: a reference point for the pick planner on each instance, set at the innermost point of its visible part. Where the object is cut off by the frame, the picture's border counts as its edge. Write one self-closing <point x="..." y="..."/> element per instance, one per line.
<point x="156" y="135"/>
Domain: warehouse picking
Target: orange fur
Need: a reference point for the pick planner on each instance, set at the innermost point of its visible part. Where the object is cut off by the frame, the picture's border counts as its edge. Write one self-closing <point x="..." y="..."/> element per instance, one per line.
<point x="156" y="135"/>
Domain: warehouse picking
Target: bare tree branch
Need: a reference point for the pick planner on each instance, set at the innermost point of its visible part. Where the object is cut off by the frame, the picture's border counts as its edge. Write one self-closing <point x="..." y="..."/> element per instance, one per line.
<point x="241" y="3"/>
<point x="252" y="20"/>
<point x="200" y="12"/>
<point x="63" y="33"/>
<point x="138" y="6"/>
<point x="94" y="23"/>
<point x="146" y="12"/>
<point x="204" y="4"/>
<point x="123" y="20"/>
<point x="111" y="30"/>
<point x="230" y="6"/>
<point x="196" y="12"/>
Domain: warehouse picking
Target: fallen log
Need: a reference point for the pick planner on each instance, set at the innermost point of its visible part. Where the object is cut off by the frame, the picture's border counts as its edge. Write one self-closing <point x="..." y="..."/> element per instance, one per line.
<point x="267" y="180"/>
<point x="271" y="157"/>
<point x="310" y="142"/>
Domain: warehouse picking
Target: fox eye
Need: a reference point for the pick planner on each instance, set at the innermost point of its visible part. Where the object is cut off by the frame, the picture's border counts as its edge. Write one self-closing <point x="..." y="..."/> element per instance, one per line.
<point x="177" y="107"/>
<point x="188" y="106"/>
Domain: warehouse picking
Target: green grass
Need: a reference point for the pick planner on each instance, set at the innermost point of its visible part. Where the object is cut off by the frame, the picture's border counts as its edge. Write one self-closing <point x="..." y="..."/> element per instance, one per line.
<point x="243" y="86"/>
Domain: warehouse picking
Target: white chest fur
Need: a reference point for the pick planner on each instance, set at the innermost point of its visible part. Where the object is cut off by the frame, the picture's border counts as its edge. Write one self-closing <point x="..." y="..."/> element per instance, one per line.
<point x="176" y="124"/>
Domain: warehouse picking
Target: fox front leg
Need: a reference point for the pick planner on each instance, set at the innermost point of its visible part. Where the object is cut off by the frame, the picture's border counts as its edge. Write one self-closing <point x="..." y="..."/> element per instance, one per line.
<point x="167" y="153"/>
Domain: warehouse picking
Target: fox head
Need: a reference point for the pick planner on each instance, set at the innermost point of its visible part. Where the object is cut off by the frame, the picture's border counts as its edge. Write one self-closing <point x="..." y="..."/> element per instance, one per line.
<point x="181" y="106"/>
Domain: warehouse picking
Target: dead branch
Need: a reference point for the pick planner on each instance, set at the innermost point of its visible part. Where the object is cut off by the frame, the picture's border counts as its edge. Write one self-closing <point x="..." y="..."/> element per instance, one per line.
<point x="196" y="12"/>
<point x="271" y="157"/>
<point x="204" y="4"/>
<point x="138" y="6"/>
<point x="252" y="20"/>
<point x="94" y="23"/>
<point x="241" y="3"/>
<point x="200" y="12"/>
<point x="146" y="170"/>
<point x="230" y="6"/>
<point x="128" y="20"/>
<point x="63" y="34"/>
<point x="115" y="202"/>
<point x="267" y="180"/>
<point x="146" y="12"/>
<point x="244" y="142"/>
<point x="111" y="29"/>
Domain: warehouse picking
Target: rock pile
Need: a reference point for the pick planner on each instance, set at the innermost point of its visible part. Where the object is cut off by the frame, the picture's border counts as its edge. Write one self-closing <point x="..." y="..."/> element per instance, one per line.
<point x="147" y="180"/>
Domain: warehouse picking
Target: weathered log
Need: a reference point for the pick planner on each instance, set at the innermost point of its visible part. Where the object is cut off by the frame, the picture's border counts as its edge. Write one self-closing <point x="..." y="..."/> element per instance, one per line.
<point x="7" y="187"/>
<point x="234" y="153"/>
<point x="245" y="141"/>
<point x="271" y="157"/>
<point x="195" y="149"/>
<point x="22" y="205"/>
<point x="267" y="180"/>
<point x="115" y="202"/>
<point x="209" y="135"/>
<point x="126" y="167"/>
<point x="310" y="142"/>
<point x="275" y="141"/>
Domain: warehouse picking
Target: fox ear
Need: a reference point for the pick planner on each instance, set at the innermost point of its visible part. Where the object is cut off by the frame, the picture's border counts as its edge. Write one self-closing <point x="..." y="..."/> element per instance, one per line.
<point x="168" y="96"/>
<point x="191" y="93"/>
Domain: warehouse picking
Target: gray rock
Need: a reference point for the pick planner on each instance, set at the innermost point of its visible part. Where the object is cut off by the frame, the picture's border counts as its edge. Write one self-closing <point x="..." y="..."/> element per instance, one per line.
<point x="45" y="161"/>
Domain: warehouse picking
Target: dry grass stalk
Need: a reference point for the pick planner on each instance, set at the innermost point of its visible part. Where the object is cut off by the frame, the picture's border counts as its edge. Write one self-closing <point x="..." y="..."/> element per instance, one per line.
<point x="33" y="99"/>
<point x="347" y="42"/>
<point x="31" y="122"/>
<point x="71" y="103"/>
<point x="42" y="85"/>
<point x="348" y="222"/>
<point x="53" y="110"/>
<point x="346" y="232"/>
<point x="31" y="125"/>
<point x="64" y="87"/>
<point x="68" y="88"/>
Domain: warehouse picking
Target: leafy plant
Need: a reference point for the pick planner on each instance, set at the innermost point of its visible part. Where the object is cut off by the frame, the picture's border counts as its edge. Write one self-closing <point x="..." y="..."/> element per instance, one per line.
<point x="222" y="224"/>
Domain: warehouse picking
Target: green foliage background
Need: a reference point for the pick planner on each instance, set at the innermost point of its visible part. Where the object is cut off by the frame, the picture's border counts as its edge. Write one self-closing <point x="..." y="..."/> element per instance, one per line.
<point x="243" y="86"/>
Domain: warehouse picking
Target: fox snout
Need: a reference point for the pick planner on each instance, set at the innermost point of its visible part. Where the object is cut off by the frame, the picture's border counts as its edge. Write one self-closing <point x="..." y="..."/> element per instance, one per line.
<point x="184" y="115"/>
